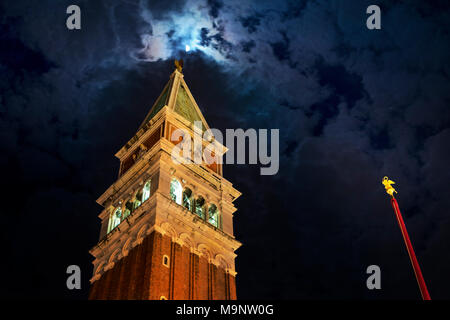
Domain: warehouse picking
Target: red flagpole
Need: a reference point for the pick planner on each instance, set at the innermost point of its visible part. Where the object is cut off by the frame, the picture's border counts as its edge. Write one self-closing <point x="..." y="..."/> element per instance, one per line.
<point x="412" y="255"/>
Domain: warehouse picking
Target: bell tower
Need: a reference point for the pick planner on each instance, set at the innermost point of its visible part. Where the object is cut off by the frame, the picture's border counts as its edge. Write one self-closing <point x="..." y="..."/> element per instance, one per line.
<point x="167" y="226"/>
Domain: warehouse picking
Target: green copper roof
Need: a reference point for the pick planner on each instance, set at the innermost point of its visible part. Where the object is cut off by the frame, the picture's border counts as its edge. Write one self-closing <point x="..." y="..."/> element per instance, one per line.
<point x="185" y="107"/>
<point x="183" y="104"/>
<point x="162" y="101"/>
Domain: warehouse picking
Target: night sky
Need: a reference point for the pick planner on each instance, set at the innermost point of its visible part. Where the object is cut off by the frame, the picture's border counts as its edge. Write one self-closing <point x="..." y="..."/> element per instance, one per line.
<point x="352" y="106"/>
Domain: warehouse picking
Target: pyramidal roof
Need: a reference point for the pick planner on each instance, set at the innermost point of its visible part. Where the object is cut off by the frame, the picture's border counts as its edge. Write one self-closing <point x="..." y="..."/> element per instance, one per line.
<point x="177" y="97"/>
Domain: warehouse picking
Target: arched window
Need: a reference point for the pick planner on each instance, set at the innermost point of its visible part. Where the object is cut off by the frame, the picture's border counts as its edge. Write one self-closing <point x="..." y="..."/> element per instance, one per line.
<point x="187" y="202"/>
<point x="128" y="209"/>
<point x="200" y="207"/>
<point x="129" y="205"/>
<point x="146" y="191"/>
<point x="213" y="215"/>
<point x="115" y="219"/>
<point x="166" y="261"/>
<point x="175" y="191"/>
<point x="138" y="200"/>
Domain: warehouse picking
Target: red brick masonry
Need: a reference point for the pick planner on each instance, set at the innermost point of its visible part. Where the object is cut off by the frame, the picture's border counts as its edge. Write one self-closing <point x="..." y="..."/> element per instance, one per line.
<point x="142" y="275"/>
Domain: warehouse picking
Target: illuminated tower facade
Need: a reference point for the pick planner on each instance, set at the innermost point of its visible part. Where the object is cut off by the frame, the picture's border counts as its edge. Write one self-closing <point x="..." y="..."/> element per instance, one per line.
<point x="166" y="227"/>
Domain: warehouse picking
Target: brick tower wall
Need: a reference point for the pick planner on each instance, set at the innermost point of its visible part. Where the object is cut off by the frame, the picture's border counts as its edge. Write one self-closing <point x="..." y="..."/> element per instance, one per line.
<point x="142" y="275"/>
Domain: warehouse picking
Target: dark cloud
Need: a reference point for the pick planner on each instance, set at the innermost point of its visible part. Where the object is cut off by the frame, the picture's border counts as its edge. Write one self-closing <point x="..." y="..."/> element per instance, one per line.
<point x="247" y="45"/>
<point x="345" y="84"/>
<point x="214" y="7"/>
<point x="251" y="23"/>
<point x="161" y="9"/>
<point x="294" y="9"/>
<point x="281" y="48"/>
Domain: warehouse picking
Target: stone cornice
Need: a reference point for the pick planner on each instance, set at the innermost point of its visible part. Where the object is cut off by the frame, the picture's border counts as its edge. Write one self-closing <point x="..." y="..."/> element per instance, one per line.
<point x="140" y="166"/>
<point x="160" y="214"/>
<point x="219" y="182"/>
<point x="142" y="134"/>
<point x="135" y="171"/>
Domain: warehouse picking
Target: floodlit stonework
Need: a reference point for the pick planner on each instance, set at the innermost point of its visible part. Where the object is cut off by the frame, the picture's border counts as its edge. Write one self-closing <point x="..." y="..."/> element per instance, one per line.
<point x="167" y="228"/>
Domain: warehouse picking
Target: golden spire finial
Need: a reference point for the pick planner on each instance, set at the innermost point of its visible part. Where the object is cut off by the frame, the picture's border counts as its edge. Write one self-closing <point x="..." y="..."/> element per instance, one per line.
<point x="388" y="186"/>
<point x="179" y="65"/>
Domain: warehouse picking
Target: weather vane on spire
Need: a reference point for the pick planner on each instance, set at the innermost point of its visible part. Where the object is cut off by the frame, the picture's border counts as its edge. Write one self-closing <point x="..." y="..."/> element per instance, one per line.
<point x="179" y="65"/>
